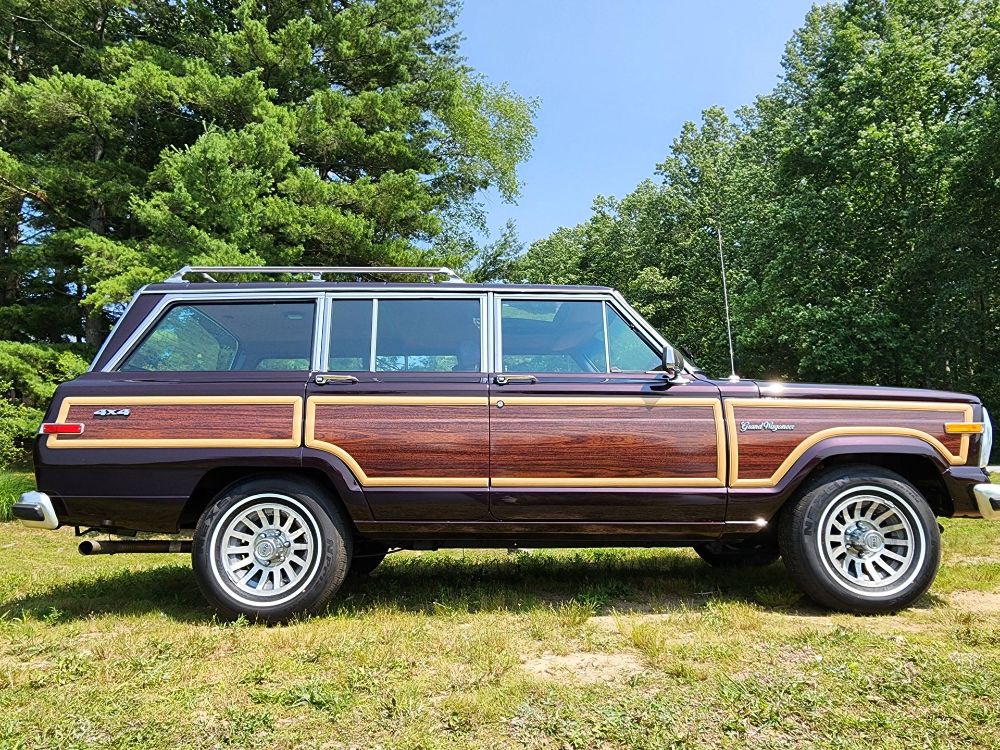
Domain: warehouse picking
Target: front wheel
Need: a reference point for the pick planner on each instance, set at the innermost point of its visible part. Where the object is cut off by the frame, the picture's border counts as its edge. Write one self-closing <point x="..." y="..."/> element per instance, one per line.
<point x="861" y="539"/>
<point x="271" y="548"/>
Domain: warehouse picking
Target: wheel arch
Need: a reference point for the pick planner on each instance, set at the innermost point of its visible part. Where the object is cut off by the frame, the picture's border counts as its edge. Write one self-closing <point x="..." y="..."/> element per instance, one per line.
<point x="913" y="459"/>
<point x="216" y="480"/>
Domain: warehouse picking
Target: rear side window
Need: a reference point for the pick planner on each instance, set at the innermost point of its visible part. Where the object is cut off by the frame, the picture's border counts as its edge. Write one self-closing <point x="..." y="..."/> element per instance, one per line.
<point x="428" y="335"/>
<point x="409" y="335"/>
<point x="215" y="337"/>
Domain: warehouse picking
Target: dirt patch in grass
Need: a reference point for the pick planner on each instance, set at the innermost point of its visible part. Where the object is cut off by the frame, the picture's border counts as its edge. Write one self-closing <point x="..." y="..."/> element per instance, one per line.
<point x="977" y="601"/>
<point x="582" y="667"/>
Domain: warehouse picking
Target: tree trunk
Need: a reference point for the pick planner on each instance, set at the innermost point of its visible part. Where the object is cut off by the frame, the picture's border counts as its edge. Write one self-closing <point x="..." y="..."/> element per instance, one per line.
<point x="10" y="238"/>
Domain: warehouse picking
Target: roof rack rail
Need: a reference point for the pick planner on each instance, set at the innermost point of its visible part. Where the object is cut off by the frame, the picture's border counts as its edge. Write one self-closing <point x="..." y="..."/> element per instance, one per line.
<point x="317" y="272"/>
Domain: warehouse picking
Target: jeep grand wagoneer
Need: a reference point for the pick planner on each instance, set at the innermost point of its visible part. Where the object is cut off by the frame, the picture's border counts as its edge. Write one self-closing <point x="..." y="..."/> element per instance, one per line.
<point x="302" y="429"/>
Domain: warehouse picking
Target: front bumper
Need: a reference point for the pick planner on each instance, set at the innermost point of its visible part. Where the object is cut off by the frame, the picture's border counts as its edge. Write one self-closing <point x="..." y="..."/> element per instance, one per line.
<point x="35" y="509"/>
<point x="988" y="500"/>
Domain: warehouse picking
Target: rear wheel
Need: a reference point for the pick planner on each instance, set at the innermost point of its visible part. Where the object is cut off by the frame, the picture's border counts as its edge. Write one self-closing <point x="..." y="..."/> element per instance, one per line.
<point x="271" y="548"/>
<point x="741" y="554"/>
<point x="861" y="539"/>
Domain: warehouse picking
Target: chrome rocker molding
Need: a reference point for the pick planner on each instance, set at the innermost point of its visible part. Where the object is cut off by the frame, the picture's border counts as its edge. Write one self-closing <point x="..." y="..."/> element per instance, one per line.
<point x="988" y="500"/>
<point x="35" y="509"/>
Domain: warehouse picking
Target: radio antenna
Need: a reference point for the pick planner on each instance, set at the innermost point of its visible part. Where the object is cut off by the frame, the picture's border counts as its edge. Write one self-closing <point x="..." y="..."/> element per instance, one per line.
<point x="733" y="377"/>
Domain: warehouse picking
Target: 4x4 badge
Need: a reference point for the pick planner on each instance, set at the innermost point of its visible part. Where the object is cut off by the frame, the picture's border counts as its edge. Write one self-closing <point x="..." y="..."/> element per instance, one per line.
<point x="112" y="413"/>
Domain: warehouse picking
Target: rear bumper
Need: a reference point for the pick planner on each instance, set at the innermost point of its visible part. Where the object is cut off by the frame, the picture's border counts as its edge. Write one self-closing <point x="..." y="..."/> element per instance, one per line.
<point x="988" y="500"/>
<point x="35" y="509"/>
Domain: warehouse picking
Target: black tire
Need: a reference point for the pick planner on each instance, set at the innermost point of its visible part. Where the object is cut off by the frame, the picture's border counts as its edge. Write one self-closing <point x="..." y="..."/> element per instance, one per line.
<point x="741" y="554"/>
<point x="296" y="570"/>
<point x="879" y="514"/>
<point x="367" y="556"/>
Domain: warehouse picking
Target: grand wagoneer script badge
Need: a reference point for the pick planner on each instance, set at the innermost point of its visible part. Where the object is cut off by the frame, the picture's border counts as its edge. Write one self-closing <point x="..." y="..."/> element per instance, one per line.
<point x="765" y="426"/>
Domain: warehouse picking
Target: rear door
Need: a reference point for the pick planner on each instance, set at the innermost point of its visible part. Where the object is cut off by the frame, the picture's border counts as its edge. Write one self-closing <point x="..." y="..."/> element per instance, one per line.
<point x="402" y="402"/>
<point x="583" y="427"/>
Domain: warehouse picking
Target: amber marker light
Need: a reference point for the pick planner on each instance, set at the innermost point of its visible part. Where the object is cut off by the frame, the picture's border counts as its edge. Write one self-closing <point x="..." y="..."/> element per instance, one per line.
<point x="60" y="428"/>
<point x="963" y="428"/>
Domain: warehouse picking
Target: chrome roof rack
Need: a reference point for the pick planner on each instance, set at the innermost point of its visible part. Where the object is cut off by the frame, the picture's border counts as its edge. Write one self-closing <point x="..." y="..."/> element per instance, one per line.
<point x="318" y="272"/>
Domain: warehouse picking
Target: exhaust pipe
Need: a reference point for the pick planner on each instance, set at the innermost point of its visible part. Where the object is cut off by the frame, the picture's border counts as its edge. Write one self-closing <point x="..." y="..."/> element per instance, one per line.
<point x="144" y="546"/>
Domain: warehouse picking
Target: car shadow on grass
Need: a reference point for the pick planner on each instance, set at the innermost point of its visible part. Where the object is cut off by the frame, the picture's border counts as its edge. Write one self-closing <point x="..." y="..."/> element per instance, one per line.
<point x="590" y="582"/>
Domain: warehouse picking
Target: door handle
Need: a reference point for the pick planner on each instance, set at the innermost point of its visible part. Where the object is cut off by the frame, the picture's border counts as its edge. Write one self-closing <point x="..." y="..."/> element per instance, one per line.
<point x="324" y="379"/>
<point x="505" y="379"/>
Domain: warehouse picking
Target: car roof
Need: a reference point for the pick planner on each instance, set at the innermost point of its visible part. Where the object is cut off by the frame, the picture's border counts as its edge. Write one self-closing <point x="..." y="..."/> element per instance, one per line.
<point x="195" y="288"/>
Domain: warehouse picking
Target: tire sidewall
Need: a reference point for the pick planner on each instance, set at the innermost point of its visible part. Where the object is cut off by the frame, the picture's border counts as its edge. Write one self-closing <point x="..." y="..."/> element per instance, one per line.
<point x="807" y="540"/>
<point x="327" y="569"/>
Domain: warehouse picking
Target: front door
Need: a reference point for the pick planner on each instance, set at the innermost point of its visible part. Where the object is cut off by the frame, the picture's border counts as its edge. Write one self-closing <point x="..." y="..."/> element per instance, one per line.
<point x="403" y="403"/>
<point x="584" y="429"/>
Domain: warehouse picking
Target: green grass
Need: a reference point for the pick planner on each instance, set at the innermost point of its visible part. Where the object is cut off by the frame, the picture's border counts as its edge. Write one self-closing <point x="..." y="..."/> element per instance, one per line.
<point x="12" y="484"/>
<point x="557" y="649"/>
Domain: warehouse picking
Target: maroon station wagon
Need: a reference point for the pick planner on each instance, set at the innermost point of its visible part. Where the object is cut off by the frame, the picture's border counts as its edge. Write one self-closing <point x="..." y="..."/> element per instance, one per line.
<point x="304" y="429"/>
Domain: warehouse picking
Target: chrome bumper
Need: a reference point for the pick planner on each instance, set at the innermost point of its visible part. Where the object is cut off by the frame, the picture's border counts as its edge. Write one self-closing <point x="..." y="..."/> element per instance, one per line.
<point x="35" y="509"/>
<point x="988" y="500"/>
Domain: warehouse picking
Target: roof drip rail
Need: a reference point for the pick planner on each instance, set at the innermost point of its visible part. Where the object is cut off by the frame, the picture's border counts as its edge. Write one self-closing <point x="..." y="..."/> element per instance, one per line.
<point x="317" y="272"/>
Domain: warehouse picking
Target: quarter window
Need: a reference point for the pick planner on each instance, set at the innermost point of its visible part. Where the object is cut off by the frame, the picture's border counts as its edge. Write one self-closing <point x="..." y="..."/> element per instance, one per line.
<point x="553" y="336"/>
<point x="214" y="337"/>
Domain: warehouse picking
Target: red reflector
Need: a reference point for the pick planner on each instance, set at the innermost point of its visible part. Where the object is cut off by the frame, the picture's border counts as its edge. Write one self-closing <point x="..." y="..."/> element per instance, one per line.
<point x="57" y="428"/>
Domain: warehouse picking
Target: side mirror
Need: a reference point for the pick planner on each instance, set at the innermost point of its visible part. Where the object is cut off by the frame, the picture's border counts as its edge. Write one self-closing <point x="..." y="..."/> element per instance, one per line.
<point x="673" y="362"/>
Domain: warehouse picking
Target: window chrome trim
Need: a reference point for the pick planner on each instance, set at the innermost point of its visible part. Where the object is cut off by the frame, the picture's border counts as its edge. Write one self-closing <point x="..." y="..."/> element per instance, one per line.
<point x="607" y="342"/>
<point x="490" y="356"/>
<point x="107" y="339"/>
<point x="373" y="349"/>
<point x="156" y="314"/>
<point x="319" y="340"/>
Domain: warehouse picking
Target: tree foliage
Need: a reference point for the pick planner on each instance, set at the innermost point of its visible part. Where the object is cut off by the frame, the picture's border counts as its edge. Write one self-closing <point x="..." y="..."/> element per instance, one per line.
<point x="137" y="136"/>
<point x="858" y="203"/>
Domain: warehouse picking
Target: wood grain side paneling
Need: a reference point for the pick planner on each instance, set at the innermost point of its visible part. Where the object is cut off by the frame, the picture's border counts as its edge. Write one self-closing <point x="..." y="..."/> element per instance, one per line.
<point x="404" y="441"/>
<point x="183" y="421"/>
<point x="589" y="442"/>
<point x="761" y="457"/>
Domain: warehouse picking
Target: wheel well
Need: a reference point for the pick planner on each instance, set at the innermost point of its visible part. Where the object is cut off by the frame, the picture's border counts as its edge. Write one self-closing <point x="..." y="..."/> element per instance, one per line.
<point x="216" y="480"/>
<point x="920" y="471"/>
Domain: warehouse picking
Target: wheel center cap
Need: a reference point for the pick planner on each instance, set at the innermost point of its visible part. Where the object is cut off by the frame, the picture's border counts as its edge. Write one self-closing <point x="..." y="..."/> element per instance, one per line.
<point x="873" y="541"/>
<point x="266" y="549"/>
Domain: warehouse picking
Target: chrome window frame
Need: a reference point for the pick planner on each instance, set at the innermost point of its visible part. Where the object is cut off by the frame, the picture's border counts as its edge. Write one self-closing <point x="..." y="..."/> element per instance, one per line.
<point x="375" y="296"/>
<point x="490" y="302"/>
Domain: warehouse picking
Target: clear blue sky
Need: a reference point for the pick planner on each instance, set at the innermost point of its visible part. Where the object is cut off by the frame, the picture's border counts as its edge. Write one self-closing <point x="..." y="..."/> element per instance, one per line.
<point x="616" y="82"/>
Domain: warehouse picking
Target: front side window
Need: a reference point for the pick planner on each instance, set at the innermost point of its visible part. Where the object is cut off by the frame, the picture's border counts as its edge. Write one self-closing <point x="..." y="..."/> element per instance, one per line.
<point x="235" y="337"/>
<point x="552" y="336"/>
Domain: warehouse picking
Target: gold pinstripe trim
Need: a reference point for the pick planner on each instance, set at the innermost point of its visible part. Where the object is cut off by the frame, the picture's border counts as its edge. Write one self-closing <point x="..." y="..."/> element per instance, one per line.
<point x="860" y="430"/>
<point x="293" y="441"/>
<point x="719" y="480"/>
<point x="311" y="441"/>
<point x="364" y="479"/>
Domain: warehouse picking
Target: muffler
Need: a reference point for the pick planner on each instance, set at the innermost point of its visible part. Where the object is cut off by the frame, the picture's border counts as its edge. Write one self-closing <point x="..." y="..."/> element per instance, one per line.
<point x="143" y="546"/>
